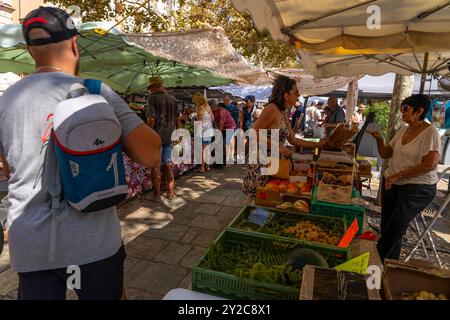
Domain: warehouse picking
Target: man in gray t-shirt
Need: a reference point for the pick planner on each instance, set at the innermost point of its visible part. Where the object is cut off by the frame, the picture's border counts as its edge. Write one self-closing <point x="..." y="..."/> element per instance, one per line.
<point x="163" y="117"/>
<point x="91" y="241"/>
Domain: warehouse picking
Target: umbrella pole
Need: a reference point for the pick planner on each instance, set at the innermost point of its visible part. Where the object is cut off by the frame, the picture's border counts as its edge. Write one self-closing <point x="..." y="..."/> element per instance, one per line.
<point x="424" y="72"/>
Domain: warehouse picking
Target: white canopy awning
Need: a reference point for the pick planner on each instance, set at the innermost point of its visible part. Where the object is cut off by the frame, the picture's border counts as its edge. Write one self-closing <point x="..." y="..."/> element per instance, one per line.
<point x="335" y="37"/>
<point x="212" y="50"/>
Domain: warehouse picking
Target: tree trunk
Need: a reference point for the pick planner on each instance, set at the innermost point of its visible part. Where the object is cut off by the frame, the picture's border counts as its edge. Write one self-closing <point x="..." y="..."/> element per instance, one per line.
<point x="352" y="99"/>
<point x="403" y="87"/>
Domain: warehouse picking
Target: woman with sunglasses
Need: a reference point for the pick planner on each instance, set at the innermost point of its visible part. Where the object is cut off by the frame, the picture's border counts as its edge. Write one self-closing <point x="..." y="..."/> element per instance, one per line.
<point x="275" y="116"/>
<point x="409" y="183"/>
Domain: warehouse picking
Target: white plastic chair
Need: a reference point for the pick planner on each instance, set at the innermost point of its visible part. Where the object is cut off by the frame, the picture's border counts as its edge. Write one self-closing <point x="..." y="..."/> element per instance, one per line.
<point x="435" y="215"/>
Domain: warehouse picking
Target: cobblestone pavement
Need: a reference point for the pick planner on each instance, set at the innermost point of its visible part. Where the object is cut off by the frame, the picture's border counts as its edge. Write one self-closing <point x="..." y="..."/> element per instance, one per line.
<point x="164" y="240"/>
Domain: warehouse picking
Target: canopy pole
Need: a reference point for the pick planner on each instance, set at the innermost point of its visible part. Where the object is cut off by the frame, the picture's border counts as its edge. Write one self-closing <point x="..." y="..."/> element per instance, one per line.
<point x="352" y="99"/>
<point x="424" y="72"/>
<point x="403" y="88"/>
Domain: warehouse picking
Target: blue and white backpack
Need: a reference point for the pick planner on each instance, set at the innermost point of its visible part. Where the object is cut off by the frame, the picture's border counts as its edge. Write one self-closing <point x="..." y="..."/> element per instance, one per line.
<point x="86" y="135"/>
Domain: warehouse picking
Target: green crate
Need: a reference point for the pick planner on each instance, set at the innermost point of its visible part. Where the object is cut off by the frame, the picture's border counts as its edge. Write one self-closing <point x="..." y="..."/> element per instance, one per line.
<point x="230" y="286"/>
<point x="283" y="219"/>
<point x="349" y="212"/>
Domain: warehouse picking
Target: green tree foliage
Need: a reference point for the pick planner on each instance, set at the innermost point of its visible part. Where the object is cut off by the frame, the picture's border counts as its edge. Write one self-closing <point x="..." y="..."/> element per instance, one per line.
<point x="258" y="47"/>
<point x="381" y="109"/>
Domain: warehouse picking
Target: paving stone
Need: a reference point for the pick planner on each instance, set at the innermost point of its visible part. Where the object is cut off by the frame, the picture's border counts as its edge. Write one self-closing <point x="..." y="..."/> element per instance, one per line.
<point x="206" y="221"/>
<point x="229" y="213"/>
<point x="217" y="199"/>
<point x="208" y="208"/>
<point x="130" y="231"/>
<point x="9" y="281"/>
<point x="145" y="248"/>
<point x="172" y="232"/>
<point x="225" y="192"/>
<point x="159" y="278"/>
<point x="173" y="253"/>
<point x="186" y="283"/>
<point x="191" y="235"/>
<point x="192" y="257"/>
<point x="136" y="270"/>
<point x="145" y="213"/>
<point x="130" y="262"/>
<point x="206" y="237"/>
<point x="237" y="202"/>
<point x="183" y="217"/>
<point x="135" y="294"/>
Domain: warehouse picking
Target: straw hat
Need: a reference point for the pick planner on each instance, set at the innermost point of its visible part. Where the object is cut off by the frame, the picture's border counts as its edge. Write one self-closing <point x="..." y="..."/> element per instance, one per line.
<point x="155" y="81"/>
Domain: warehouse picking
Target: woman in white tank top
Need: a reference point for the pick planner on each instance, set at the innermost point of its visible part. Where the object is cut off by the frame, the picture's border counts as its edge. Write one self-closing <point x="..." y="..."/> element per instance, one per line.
<point x="409" y="183"/>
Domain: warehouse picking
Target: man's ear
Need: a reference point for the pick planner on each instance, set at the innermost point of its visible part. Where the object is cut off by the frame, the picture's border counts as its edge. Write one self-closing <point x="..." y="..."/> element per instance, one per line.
<point x="75" y="50"/>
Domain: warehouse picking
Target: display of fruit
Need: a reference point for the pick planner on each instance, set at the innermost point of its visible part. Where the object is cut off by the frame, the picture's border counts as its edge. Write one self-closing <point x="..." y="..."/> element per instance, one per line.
<point x="343" y="180"/>
<point x="299" y="205"/>
<point x="284" y="186"/>
<point x="308" y="231"/>
<point x="423" y="295"/>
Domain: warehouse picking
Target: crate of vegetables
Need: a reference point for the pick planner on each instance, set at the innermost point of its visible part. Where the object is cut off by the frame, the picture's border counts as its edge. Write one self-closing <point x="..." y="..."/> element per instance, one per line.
<point x="304" y="227"/>
<point x="242" y="266"/>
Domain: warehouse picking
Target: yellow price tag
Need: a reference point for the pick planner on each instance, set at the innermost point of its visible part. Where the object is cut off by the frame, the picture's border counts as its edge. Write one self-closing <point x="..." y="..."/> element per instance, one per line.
<point x="358" y="264"/>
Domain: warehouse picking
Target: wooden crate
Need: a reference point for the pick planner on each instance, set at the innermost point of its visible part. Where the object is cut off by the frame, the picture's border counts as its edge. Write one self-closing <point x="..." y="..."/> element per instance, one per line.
<point x="328" y="284"/>
<point x="334" y="194"/>
<point x="401" y="277"/>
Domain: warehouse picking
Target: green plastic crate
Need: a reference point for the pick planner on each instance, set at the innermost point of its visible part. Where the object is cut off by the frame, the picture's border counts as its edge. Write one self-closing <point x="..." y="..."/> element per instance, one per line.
<point x="349" y="212"/>
<point x="232" y="287"/>
<point x="288" y="219"/>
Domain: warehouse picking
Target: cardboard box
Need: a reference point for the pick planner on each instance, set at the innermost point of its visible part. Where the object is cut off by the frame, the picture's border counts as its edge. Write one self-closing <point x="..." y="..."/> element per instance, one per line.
<point x="401" y="277"/>
<point x="333" y="191"/>
<point x="272" y="198"/>
<point x="329" y="284"/>
<point x="364" y="168"/>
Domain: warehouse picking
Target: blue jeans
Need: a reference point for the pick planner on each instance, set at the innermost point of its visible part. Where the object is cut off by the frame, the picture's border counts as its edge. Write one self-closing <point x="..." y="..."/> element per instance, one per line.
<point x="399" y="206"/>
<point x="166" y="154"/>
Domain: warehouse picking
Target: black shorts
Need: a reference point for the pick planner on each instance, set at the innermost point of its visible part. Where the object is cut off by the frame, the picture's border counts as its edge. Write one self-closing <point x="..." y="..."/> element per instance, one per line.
<point x="101" y="280"/>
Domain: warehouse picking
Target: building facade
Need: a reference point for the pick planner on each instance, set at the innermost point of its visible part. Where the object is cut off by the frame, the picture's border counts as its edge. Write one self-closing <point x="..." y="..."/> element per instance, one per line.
<point x="23" y="7"/>
<point x="6" y="11"/>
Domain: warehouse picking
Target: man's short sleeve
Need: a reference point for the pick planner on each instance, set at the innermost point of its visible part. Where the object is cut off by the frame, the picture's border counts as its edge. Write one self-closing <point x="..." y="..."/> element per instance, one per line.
<point x="127" y="118"/>
<point x="340" y="117"/>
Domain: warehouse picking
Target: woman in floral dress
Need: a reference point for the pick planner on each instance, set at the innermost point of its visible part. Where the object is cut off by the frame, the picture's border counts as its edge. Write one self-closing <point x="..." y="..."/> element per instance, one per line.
<point x="285" y="94"/>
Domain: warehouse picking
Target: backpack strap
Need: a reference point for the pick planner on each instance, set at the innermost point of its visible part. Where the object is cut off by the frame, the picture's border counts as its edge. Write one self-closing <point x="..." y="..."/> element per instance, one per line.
<point x="55" y="191"/>
<point x="93" y="86"/>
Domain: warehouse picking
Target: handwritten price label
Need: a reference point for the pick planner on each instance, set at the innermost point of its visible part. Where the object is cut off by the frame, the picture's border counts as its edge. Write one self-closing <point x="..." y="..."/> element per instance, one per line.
<point x="349" y="235"/>
<point x="358" y="264"/>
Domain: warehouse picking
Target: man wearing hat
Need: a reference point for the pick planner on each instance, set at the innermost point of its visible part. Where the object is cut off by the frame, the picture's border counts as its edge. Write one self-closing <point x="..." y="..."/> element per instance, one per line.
<point x="163" y="117"/>
<point x="43" y="245"/>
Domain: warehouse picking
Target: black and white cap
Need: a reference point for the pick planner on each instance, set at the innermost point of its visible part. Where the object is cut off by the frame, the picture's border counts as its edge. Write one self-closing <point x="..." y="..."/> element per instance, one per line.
<point x="56" y="22"/>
